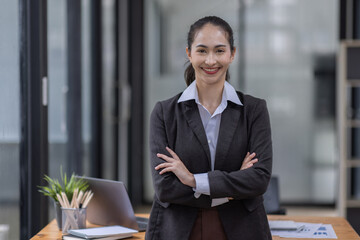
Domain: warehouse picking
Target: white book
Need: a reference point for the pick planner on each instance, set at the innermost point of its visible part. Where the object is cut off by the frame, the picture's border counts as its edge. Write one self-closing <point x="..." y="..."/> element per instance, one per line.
<point x="114" y="237"/>
<point x="108" y="232"/>
<point x="283" y="225"/>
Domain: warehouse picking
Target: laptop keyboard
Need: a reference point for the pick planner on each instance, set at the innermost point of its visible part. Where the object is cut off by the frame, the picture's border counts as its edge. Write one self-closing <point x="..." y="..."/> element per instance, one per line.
<point x="142" y="222"/>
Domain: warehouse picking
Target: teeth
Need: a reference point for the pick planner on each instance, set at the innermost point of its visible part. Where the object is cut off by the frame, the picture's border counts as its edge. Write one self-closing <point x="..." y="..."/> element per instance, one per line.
<point x="210" y="69"/>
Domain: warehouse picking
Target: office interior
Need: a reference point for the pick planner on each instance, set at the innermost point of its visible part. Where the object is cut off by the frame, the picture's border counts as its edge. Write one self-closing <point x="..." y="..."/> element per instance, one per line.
<point x="78" y="80"/>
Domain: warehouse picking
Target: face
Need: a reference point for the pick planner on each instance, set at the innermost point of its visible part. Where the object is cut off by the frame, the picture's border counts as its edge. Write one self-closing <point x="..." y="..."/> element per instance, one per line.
<point x="210" y="55"/>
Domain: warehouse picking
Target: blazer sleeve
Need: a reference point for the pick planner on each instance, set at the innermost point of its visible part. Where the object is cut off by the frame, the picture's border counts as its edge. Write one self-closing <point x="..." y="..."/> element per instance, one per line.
<point x="251" y="182"/>
<point x="168" y="188"/>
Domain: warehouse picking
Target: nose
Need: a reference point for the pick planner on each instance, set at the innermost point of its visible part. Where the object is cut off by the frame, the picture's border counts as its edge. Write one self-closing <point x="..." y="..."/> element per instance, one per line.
<point x="210" y="59"/>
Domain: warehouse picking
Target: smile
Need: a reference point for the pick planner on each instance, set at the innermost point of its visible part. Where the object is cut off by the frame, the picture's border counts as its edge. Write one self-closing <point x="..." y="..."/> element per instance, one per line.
<point x="210" y="70"/>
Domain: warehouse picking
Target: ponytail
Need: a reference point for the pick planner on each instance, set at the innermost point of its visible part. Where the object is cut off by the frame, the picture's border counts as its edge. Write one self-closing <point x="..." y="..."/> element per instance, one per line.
<point x="189" y="74"/>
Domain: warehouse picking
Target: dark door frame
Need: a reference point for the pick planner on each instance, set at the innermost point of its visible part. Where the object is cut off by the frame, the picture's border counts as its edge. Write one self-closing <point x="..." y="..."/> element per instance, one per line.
<point x="33" y="112"/>
<point x="74" y="144"/>
<point x="96" y="88"/>
<point x="136" y="81"/>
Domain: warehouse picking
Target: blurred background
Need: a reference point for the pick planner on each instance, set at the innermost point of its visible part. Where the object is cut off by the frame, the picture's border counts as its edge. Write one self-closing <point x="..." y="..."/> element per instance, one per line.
<point x="79" y="79"/>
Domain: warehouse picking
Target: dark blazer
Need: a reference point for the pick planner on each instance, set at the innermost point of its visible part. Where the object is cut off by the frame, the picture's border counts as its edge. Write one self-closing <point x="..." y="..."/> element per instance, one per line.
<point x="242" y="129"/>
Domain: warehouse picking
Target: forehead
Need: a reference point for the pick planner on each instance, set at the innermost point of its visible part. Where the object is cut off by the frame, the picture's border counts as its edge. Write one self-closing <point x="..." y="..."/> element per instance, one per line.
<point x="210" y="34"/>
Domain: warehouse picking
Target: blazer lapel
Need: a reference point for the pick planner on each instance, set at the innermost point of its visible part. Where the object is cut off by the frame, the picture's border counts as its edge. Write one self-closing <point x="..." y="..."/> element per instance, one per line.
<point x="229" y="122"/>
<point x="192" y="116"/>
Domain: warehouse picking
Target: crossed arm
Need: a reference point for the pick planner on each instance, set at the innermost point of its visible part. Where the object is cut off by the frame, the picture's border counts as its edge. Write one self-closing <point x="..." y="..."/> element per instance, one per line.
<point x="175" y="165"/>
<point x="174" y="183"/>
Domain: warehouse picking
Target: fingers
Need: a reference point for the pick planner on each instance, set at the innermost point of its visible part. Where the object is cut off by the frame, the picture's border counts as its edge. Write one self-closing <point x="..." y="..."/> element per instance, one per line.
<point x="166" y="158"/>
<point x="172" y="153"/>
<point x="165" y="170"/>
<point x="249" y="161"/>
<point x="252" y="162"/>
<point x="163" y="165"/>
<point x="249" y="157"/>
<point x="249" y="164"/>
<point x="168" y="166"/>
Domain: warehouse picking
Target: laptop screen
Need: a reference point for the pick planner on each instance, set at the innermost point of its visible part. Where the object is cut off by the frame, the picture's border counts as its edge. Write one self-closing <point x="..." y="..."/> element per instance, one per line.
<point x="110" y="204"/>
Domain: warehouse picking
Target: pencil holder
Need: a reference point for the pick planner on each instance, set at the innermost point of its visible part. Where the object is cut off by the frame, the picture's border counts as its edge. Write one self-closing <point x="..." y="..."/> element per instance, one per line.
<point x="73" y="218"/>
<point x="58" y="214"/>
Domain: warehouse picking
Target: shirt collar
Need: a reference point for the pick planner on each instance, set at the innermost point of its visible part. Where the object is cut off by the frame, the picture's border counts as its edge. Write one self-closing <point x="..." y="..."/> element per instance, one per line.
<point x="229" y="94"/>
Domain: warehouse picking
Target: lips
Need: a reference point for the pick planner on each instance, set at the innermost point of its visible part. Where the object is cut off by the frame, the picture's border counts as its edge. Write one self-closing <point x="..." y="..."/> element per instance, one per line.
<point x="210" y="70"/>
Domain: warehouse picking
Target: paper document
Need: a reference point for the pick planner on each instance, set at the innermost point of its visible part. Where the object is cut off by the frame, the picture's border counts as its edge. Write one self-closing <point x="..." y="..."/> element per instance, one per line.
<point x="325" y="231"/>
<point x="308" y="230"/>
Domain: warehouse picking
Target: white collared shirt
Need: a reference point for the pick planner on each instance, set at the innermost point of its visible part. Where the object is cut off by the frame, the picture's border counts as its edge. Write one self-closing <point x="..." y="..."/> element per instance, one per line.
<point x="211" y="125"/>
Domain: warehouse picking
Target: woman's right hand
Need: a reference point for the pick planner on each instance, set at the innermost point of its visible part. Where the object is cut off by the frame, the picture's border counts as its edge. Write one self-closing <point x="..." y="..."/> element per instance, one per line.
<point x="249" y="161"/>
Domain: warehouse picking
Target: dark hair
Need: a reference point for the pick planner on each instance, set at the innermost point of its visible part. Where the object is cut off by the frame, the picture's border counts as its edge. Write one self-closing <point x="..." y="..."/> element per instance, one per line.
<point x="189" y="73"/>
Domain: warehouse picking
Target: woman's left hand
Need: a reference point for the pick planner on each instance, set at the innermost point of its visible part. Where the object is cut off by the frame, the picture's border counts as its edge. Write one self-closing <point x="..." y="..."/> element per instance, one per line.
<point x="175" y="165"/>
<point x="249" y="161"/>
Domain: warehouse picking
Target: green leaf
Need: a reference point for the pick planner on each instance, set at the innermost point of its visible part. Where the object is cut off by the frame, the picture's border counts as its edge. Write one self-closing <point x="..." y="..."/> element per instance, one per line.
<point x="66" y="185"/>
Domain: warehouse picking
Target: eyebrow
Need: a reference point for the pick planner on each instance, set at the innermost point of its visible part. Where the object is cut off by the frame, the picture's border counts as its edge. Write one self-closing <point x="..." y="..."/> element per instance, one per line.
<point x="204" y="46"/>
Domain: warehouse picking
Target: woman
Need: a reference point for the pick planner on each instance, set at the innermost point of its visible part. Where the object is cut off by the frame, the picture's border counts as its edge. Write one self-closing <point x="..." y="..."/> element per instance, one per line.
<point x="207" y="184"/>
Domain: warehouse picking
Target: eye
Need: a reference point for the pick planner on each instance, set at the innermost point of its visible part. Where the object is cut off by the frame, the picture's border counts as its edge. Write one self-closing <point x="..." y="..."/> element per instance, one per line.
<point x="220" y="50"/>
<point x="201" y="50"/>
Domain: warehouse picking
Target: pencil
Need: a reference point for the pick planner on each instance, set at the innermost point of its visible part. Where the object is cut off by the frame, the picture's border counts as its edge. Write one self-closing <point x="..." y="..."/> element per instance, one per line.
<point x="87" y="200"/>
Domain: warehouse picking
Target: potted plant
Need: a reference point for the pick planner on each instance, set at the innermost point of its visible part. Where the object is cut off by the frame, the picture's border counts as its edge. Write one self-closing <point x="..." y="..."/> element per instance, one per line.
<point x="66" y="185"/>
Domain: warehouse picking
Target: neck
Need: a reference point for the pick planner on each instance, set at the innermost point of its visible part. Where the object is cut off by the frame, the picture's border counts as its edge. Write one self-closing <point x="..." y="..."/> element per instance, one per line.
<point x="210" y="96"/>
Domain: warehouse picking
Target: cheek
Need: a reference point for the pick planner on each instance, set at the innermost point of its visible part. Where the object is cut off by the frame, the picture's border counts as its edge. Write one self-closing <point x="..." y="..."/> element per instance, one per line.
<point x="227" y="59"/>
<point x="195" y="61"/>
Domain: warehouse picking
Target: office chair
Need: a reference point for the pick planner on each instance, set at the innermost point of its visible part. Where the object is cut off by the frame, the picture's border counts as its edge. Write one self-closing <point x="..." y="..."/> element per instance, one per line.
<point x="271" y="198"/>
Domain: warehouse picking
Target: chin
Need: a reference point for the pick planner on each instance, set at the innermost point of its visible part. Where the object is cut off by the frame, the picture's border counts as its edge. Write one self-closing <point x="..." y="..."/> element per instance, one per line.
<point x="214" y="79"/>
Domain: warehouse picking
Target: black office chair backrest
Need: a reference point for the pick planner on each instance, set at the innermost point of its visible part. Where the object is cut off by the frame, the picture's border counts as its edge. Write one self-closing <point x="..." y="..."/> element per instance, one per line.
<point x="272" y="199"/>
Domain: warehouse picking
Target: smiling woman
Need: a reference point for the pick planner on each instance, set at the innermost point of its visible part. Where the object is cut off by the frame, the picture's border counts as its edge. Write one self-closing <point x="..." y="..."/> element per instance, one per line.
<point x="203" y="144"/>
<point x="210" y="55"/>
<point x="212" y="45"/>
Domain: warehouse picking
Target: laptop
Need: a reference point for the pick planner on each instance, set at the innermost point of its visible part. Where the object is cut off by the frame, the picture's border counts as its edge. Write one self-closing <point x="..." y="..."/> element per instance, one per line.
<point x="111" y="205"/>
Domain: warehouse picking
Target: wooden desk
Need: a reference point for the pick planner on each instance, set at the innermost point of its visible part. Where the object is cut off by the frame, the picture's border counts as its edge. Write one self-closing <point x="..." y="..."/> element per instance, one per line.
<point x="52" y="232"/>
<point x="342" y="228"/>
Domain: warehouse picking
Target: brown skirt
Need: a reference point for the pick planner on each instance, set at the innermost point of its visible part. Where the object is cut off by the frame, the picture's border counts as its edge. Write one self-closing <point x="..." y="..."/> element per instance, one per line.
<point x="208" y="226"/>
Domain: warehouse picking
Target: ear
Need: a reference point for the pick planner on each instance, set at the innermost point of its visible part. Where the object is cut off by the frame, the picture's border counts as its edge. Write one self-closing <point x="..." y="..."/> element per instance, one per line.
<point x="188" y="53"/>
<point x="233" y="54"/>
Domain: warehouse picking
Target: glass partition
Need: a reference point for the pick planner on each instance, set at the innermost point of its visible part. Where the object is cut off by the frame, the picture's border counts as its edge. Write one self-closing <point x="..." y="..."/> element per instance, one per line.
<point x="9" y="120"/>
<point x="290" y="50"/>
<point x="57" y="71"/>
